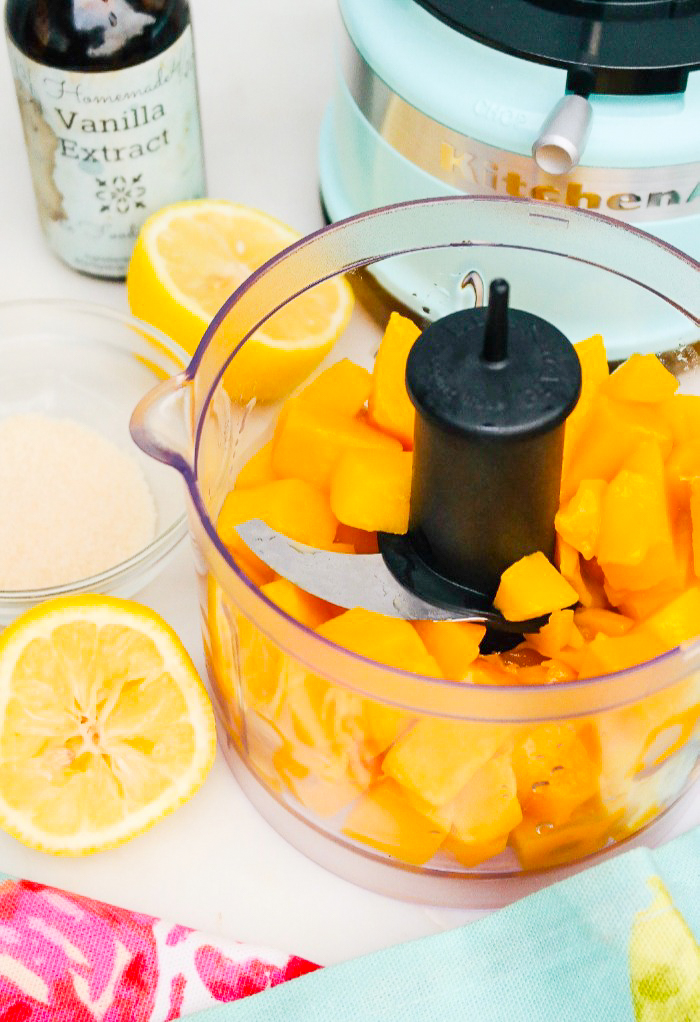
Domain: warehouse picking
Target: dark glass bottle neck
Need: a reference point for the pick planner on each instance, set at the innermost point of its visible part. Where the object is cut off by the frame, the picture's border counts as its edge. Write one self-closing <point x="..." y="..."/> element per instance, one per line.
<point x="94" y="35"/>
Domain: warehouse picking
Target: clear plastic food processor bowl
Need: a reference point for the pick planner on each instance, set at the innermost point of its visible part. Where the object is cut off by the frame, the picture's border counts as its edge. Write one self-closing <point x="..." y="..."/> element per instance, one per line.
<point x="304" y="762"/>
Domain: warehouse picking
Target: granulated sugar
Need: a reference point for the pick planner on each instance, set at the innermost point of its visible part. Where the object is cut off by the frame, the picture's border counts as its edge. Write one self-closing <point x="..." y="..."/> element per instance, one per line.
<point x="71" y="503"/>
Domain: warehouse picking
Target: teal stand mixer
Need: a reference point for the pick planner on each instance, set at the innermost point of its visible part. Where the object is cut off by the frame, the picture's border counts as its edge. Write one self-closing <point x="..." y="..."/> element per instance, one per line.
<point x="580" y="104"/>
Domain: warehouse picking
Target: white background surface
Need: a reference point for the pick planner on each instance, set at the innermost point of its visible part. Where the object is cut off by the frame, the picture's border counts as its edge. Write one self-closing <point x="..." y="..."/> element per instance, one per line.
<point x="265" y="75"/>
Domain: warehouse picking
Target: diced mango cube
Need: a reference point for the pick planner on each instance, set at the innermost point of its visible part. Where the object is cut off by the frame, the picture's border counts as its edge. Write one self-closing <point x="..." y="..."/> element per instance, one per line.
<point x="627" y="528"/>
<point x="640" y="603"/>
<point x="592" y="621"/>
<point x="695" y="522"/>
<point x="682" y="468"/>
<point x="309" y="441"/>
<point x="679" y="620"/>
<point x="569" y="562"/>
<point x="390" y="407"/>
<point x="642" y="378"/>
<point x="361" y="541"/>
<point x="301" y="606"/>
<point x="539" y="844"/>
<point x="532" y="587"/>
<point x="558" y="633"/>
<point x="636" y="531"/>
<point x="608" y="654"/>
<point x="613" y="430"/>
<point x="454" y="644"/>
<point x="342" y="388"/>
<point x="257" y="670"/>
<point x="486" y="808"/>
<point x="321" y="796"/>
<point x="436" y="758"/>
<point x="291" y="506"/>
<point x="578" y="521"/>
<point x="383" y="724"/>
<point x="388" y="640"/>
<point x="555" y="771"/>
<point x="472" y="853"/>
<point x="384" y="820"/>
<point x="257" y="469"/>
<point x="682" y="413"/>
<point x="371" y="490"/>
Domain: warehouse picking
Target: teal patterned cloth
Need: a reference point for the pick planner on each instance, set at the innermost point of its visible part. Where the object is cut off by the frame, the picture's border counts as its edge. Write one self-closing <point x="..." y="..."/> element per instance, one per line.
<point x="616" y="943"/>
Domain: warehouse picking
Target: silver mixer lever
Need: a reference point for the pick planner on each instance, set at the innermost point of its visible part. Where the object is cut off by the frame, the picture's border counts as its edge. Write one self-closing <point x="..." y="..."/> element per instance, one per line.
<point x="563" y="136"/>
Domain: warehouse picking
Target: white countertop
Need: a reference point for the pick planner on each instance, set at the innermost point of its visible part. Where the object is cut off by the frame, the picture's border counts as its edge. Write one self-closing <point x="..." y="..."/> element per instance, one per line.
<point x="265" y="74"/>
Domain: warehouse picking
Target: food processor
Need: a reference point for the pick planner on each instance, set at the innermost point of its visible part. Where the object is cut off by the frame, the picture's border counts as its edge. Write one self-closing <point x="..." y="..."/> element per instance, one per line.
<point x="299" y="713"/>
<point x="590" y="104"/>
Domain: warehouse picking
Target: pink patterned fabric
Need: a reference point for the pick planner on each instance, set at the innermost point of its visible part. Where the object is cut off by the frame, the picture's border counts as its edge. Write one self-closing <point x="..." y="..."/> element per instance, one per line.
<point x="65" y="958"/>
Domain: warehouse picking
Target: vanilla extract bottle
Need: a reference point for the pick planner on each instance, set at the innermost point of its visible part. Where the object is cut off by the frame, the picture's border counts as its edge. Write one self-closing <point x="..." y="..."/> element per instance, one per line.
<point x="107" y="93"/>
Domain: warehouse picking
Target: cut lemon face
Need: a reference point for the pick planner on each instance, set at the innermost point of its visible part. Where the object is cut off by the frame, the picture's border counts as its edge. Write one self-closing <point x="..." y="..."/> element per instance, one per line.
<point x="105" y="726"/>
<point x="191" y="256"/>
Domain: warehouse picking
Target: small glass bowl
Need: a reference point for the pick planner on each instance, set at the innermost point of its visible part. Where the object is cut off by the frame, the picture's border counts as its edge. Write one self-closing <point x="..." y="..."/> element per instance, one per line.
<point x="69" y="360"/>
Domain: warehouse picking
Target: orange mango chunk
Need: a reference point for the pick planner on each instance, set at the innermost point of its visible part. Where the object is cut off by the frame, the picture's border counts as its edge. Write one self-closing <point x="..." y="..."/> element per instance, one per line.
<point x="555" y="771"/>
<point x="259" y="661"/>
<point x="636" y="548"/>
<point x="695" y="522"/>
<point x="679" y="620"/>
<point x="640" y="603"/>
<point x="682" y="413"/>
<point x="539" y="844"/>
<point x="322" y="796"/>
<point x="594" y="372"/>
<point x="301" y="606"/>
<point x="558" y="633"/>
<point x="570" y="564"/>
<point x="682" y="468"/>
<point x="383" y="819"/>
<point x="309" y="441"/>
<point x="454" y="644"/>
<point x="257" y="469"/>
<point x="361" y="541"/>
<point x="371" y="489"/>
<point x="531" y="587"/>
<point x="613" y="430"/>
<point x="608" y="654"/>
<point x="291" y="506"/>
<point x="343" y="388"/>
<point x="390" y="408"/>
<point x="578" y="521"/>
<point x="486" y="808"/>
<point x="472" y="853"/>
<point x="383" y="725"/>
<point x="627" y="527"/>
<point x="435" y="758"/>
<point x="642" y="378"/>
<point x="388" y="640"/>
<point x="592" y="621"/>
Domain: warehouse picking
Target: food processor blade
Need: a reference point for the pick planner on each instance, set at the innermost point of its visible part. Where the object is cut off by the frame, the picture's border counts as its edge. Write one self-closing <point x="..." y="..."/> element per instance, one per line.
<point x="359" y="580"/>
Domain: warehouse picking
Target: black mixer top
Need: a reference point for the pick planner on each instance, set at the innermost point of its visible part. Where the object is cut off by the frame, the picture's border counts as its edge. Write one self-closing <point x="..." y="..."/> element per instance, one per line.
<point x="620" y="47"/>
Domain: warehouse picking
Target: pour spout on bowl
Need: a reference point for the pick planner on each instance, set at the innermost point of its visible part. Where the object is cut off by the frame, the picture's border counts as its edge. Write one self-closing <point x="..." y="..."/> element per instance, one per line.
<point x="162" y="423"/>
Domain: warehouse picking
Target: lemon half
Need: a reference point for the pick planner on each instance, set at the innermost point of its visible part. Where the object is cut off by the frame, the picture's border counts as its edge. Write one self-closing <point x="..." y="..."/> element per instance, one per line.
<point x="191" y="256"/>
<point x="105" y="725"/>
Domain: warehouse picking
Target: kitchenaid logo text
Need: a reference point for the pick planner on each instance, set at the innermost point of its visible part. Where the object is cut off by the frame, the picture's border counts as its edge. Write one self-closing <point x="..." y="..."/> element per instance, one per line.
<point x="86" y="149"/>
<point x="465" y="168"/>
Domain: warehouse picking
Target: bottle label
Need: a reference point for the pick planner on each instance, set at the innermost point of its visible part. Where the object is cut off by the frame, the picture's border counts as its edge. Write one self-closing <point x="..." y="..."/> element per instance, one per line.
<point x="109" y="148"/>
